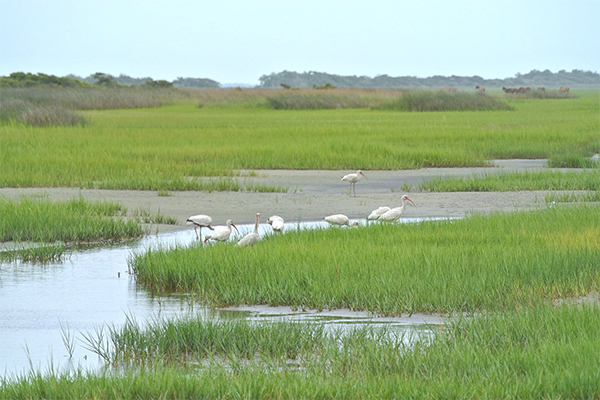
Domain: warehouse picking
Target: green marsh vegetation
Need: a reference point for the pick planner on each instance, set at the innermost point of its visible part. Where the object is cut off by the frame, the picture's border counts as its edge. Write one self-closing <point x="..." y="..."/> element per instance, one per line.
<point x="36" y="225"/>
<point x="587" y="179"/>
<point x="183" y="147"/>
<point x="41" y="220"/>
<point x="504" y="268"/>
<point x="497" y="262"/>
<point x="541" y="351"/>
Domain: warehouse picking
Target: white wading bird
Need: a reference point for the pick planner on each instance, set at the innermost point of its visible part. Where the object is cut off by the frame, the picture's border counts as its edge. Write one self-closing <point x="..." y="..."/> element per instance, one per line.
<point x="375" y="214"/>
<point x="252" y="237"/>
<point x="339" y="219"/>
<point x="353" y="178"/>
<point x="276" y="223"/>
<point x="394" y="213"/>
<point x="221" y="233"/>
<point x="200" y="221"/>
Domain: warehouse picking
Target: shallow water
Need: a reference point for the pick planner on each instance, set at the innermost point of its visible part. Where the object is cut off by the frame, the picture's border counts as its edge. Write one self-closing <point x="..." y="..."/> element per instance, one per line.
<point x="39" y="302"/>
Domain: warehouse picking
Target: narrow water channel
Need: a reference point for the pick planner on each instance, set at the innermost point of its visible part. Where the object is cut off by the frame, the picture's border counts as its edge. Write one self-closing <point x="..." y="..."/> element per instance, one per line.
<point x="91" y="289"/>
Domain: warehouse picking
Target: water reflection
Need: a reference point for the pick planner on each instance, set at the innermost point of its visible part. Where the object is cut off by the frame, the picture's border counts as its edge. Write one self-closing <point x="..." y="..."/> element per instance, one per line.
<point x="93" y="288"/>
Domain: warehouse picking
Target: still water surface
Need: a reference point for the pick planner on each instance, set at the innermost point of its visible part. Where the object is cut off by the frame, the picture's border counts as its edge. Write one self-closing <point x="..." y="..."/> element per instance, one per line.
<point x="91" y="289"/>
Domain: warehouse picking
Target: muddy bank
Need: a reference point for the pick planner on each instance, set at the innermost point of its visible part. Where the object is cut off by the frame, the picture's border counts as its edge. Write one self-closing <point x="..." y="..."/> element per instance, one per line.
<point x="313" y="195"/>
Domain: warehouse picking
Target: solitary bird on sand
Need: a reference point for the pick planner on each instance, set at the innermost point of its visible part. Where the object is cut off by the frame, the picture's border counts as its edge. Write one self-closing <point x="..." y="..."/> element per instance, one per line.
<point x="353" y="178"/>
<point x="339" y="219"/>
<point x="221" y="233"/>
<point x="200" y="221"/>
<point x="394" y="213"/>
<point x="252" y="237"/>
<point x="276" y="223"/>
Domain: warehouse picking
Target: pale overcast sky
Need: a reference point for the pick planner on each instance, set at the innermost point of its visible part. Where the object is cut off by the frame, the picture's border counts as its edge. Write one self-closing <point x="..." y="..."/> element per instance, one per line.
<point x="238" y="41"/>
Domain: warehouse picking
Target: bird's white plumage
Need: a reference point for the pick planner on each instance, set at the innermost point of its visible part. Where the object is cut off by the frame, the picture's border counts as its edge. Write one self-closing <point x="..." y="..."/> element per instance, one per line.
<point x="200" y="221"/>
<point x="276" y="223"/>
<point x="394" y="213"/>
<point x="221" y="233"/>
<point x="339" y="219"/>
<point x="353" y="178"/>
<point x="252" y="237"/>
<point x="375" y="214"/>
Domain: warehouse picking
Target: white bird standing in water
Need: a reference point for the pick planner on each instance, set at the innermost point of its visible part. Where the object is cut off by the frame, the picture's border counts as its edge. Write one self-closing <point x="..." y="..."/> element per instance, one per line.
<point x="252" y="237"/>
<point x="200" y="221"/>
<point x="221" y="233"/>
<point x="339" y="219"/>
<point x="353" y="178"/>
<point x="276" y="223"/>
<point x="394" y="213"/>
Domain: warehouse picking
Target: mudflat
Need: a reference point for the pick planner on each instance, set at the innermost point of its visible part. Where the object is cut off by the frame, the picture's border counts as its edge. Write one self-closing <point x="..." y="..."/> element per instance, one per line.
<point x="314" y="194"/>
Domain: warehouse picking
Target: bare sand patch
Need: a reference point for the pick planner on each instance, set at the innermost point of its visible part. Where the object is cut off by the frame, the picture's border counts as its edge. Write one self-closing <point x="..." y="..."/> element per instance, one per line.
<point x="314" y="194"/>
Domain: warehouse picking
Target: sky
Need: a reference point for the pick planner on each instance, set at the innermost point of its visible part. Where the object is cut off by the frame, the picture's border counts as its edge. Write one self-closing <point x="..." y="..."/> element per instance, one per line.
<point x="233" y="41"/>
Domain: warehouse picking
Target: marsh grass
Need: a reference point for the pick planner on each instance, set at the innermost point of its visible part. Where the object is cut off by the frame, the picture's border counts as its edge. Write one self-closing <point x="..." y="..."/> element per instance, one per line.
<point x="44" y="106"/>
<point x="535" y="352"/>
<point x="42" y="253"/>
<point x="573" y="161"/>
<point x="421" y="100"/>
<point x="312" y="99"/>
<point x="181" y="147"/>
<point x="95" y="98"/>
<point x="491" y="262"/>
<point x="76" y="220"/>
<point x="515" y="181"/>
<point x="146" y="217"/>
<point x="541" y="95"/>
<point x="587" y="197"/>
<point x="40" y="115"/>
<point x="195" y="340"/>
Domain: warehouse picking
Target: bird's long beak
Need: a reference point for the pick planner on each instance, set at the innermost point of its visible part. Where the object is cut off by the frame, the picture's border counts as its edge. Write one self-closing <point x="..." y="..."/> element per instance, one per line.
<point x="362" y="173"/>
<point x="411" y="202"/>
<point x="232" y="224"/>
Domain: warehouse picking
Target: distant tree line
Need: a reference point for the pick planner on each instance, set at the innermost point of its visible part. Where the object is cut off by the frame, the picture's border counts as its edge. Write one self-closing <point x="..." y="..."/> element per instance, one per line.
<point x="23" y="79"/>
<point x="575" y="78"/>
<point x="26" y="79"/>
<point x="312" y="79"/>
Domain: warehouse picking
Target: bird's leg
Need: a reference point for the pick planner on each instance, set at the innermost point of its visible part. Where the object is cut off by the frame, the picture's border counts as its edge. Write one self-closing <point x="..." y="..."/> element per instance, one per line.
<point x="196" y="230"/>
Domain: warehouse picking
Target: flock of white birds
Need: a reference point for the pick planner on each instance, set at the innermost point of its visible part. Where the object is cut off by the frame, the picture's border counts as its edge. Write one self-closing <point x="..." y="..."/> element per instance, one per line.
<point x="222" y="233"/>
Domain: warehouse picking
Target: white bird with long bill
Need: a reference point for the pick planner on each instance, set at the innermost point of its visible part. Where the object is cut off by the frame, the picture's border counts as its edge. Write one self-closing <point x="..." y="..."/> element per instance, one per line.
<point x="353" y="178"/>
<point x="394" y="213"/>
<point x="221" y="233"/>
<point x="252" y="237"/>
<point x="200" y="221"/>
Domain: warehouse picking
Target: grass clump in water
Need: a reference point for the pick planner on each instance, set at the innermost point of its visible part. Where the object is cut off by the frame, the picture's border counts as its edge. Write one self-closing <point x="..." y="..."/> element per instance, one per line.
<point x="43" y="253"/>
<point x="538" y="352"/>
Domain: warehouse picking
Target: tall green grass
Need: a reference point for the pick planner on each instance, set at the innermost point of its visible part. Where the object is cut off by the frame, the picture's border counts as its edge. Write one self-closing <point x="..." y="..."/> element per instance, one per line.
<point x="181" y="147"/>
<point x="538" y="352"/>
<point x="494" y="262"/>
<point x="514" y="181"/>
<point x="74" y="220"/>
